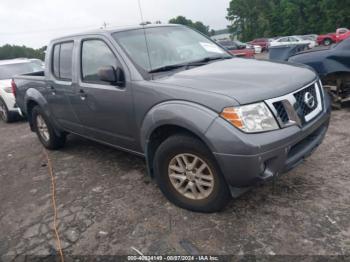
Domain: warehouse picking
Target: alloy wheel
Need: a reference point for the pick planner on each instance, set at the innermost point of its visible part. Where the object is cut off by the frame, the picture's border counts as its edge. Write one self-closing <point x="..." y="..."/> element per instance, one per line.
<point x="42" y="128"/>
<point x="3" y="111"/>
<point x="327" y="42"/>
<point x="191" y="176"/>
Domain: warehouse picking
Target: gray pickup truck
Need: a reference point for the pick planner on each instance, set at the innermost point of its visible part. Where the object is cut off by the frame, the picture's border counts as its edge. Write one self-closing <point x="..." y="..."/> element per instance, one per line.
<point x="209" y="125"/>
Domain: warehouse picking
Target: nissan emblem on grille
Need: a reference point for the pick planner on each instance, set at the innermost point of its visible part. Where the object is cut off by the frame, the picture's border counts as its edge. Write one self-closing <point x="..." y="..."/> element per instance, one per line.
<point x="299" y="107"/>
<point x="309" y="100"/>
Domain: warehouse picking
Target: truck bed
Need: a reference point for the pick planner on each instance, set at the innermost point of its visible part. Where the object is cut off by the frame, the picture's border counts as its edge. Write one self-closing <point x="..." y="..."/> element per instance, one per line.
<point x="24" y="82"/>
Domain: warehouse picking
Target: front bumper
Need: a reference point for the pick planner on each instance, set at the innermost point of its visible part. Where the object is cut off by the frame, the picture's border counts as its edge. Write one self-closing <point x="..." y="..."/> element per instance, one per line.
<point x="249" y="158"/>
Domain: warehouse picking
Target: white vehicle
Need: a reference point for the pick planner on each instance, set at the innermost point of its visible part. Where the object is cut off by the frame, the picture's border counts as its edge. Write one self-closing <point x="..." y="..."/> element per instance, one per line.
<point x="38" y="62"/>
<point x="257" y="48"/>
<point x="9" y="68"/>
<point x="292" y="40"/>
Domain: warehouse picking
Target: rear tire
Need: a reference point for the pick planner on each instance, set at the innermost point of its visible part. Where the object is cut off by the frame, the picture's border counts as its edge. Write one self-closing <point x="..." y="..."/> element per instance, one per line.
<point x="48" y="136"/>
<point x="5" y="114"/>
<point x="196" y="183"/>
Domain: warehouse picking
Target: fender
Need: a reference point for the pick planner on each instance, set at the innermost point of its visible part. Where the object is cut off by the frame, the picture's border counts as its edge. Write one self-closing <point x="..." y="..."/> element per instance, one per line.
<point x="191" y="116"/>
<point x="34" y="95"/>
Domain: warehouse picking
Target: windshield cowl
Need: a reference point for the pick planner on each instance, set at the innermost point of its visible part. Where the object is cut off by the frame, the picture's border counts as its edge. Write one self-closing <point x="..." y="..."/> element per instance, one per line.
<point x="189" y="64"/>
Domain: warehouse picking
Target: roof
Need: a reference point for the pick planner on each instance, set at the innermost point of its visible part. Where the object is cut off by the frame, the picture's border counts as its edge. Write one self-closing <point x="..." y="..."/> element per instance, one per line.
<point x="115" y="29"/>
<point x="14" y="61"/>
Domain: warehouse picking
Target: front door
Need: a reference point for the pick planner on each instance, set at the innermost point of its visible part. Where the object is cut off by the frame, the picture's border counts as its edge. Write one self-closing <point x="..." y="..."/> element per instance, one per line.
<point x="105" y="109"/>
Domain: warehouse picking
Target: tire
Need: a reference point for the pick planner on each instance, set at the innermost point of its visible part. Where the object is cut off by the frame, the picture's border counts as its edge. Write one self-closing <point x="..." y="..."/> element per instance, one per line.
<point x="212" y="198"/>
<point x="5" y="114"/>
<point x="45" y="131"/>
<point x="327" y="42"/>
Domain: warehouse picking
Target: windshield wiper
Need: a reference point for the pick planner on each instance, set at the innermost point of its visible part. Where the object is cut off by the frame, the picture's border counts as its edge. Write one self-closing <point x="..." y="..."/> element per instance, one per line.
<point x="166" y="68"/>
<point x="193" y="63"/>
<point x="207" y="59"/>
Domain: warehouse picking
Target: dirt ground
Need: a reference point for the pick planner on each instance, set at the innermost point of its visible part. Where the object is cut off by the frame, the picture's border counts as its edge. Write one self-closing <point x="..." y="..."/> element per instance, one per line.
<point x="108" y="206"/>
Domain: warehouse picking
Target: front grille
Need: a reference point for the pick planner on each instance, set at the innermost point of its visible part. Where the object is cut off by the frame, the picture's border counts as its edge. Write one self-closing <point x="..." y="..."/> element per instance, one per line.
<point x="302" y="108"/>
<point x="298" y="107"/>
<point x="281" y="112"/>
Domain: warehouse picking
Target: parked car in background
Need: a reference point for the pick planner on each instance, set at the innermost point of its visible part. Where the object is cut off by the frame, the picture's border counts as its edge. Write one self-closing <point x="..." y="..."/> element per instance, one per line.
<point x="242" y="45"/>
<point x="333" y="66"/>
<point x="292" y="40"/>
<point x="342" y="34"/>
<point x="8" y="69"/>
<point x="263" y="42"/>
<point x="236" y="49"/>
<point x="38" y="62"/>
<point x="331" y="38"/>
<point x="327" y="39"/>
<point x="311" y="37"/>
<point x="208" y="124"/>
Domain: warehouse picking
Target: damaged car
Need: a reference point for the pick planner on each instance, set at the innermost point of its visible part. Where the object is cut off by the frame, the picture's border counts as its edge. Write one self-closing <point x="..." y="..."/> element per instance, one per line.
<point x="333" y="66"/>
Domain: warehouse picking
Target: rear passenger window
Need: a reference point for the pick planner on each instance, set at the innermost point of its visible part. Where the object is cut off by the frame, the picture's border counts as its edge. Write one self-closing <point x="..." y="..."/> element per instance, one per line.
<point x="95" y="54"/>
<point x="62" y="61"/>
<point x="56" y="63"/>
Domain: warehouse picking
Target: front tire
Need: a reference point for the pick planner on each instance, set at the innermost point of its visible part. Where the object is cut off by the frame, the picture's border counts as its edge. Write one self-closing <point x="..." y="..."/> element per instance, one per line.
<point x="187" y="174"/>
<point x="48" y="136"/>
<point x="327" y="42"/>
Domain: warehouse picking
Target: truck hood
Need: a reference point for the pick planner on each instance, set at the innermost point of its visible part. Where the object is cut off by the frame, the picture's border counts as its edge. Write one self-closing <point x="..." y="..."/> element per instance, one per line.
<point x="245" y="80"/>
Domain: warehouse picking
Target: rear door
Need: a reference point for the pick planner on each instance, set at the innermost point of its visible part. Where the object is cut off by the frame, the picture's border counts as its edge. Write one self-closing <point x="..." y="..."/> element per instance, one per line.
<point x="105" y="109"/>
<point x="60" y="86"/>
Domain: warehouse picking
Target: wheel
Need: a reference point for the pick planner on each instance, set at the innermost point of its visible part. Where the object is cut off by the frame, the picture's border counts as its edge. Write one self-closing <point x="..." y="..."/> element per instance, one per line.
<point x="188" y="175"/>
<point x="327" y="42"/>
<point x="45" y="131"/>
<point x="5" y="114"/>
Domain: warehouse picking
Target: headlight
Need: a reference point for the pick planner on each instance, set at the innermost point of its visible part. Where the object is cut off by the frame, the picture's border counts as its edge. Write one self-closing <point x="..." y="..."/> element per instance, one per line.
<point x="251" y="118"/>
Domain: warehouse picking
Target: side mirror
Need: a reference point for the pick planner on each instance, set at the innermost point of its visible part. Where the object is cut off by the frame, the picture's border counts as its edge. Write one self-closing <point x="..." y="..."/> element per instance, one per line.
<point x="111" y="75"/>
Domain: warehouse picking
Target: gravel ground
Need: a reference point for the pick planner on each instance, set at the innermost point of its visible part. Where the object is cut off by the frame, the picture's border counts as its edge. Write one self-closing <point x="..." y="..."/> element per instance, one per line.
<point x="107" y="205"/>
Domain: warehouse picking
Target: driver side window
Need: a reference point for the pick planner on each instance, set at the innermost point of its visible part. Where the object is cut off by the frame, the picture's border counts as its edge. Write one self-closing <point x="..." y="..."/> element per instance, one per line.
<point x="94" y="55"/>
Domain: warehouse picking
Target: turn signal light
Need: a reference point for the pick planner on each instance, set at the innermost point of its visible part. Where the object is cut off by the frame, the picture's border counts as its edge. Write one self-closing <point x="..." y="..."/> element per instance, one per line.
<point x="231" y="116"/>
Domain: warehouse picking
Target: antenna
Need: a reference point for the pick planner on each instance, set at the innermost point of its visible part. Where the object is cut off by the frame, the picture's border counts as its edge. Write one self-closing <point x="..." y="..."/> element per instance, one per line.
<point x="141" y="15"/>
<point x="144" y="32"/>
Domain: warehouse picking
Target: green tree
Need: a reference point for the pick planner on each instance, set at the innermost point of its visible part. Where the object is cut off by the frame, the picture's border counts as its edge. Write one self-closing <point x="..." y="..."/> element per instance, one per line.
<point x="14" y="51"/>
<point x="188" y="22"/>
<point x="267" y="18"/>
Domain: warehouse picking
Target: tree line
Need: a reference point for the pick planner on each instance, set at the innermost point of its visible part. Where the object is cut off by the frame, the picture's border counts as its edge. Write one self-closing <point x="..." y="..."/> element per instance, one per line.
<point x="268" y="18"/>
<point x="198" y="25"/>
<point x="15" y="51"/>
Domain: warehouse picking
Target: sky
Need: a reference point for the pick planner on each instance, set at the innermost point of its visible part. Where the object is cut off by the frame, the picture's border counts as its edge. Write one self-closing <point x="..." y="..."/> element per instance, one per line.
<point x="34" y="23"/>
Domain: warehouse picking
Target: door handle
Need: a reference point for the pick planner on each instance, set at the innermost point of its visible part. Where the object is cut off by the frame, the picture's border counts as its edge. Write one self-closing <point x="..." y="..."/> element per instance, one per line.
<point x="83" y="95"/>
<point x="53" y="90"/>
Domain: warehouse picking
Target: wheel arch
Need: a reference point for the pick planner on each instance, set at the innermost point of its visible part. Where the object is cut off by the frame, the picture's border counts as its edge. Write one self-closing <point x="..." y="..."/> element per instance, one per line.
<point x="34" y="98"/>
<point x="170" y="118"/>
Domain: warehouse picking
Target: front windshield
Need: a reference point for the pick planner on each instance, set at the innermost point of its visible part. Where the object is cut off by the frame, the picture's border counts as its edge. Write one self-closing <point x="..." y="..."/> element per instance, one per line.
<point x="10" y="70"/>
<point x="167" y="45"/>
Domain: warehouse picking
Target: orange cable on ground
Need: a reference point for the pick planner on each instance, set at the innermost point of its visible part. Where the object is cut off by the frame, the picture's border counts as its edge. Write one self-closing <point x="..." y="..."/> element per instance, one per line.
<point x="53" y="194"/>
